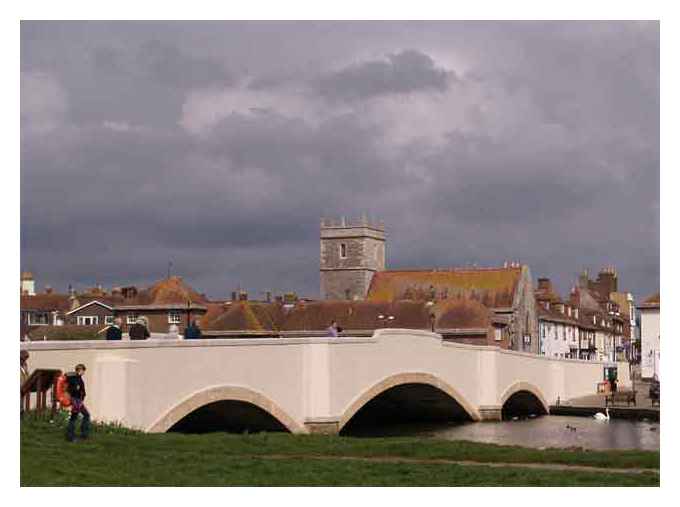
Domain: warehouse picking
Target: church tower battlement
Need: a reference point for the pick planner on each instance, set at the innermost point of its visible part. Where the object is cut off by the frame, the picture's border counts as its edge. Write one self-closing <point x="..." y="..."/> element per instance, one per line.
<point x="351" y="252"/>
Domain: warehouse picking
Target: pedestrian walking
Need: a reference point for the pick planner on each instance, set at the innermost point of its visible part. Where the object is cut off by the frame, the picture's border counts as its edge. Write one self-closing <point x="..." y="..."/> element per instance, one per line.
<point x="193" y="331"/>
<point x="114" y="331"/>
<point x="138" y="330"/>
<point x="75" y="386"/>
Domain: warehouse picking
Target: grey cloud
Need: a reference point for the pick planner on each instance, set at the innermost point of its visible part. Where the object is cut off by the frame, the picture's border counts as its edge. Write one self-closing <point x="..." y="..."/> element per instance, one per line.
<point x="169" y="65"/>
<point x="405" y="72"/>
<point x="554" y="159"/>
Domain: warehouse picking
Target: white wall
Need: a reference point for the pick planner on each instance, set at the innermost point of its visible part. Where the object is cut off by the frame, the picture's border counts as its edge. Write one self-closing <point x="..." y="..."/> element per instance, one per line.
<point x="650" y="332"/>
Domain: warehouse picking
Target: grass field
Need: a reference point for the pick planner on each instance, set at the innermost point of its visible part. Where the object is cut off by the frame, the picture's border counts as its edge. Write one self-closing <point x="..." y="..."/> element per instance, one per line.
<point x="116" y="456"/>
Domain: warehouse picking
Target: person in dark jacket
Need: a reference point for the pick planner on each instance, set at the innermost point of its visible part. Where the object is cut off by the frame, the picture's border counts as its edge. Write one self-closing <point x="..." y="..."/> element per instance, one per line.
<point x="138" y="330"/>
<point x="193" y="331"/>
<point x="76" y="389"/>
<point x="114" y="332"/>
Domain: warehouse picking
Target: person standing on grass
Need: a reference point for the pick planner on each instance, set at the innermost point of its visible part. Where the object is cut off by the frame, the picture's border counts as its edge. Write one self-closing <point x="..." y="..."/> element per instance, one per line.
<point x="193" y="331"/>
<point x="114" y="332"/>
<point x="76" y="389"/>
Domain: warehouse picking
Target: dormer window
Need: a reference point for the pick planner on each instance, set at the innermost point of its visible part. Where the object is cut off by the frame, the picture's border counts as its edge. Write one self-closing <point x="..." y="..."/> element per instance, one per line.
<point x="343" y="250"/>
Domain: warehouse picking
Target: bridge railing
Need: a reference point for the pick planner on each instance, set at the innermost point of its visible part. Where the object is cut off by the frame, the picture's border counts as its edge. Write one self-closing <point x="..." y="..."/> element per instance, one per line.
<point x="40" y="382"/>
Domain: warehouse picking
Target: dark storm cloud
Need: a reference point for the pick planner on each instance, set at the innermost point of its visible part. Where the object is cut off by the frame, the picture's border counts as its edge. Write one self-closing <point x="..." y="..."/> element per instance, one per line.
<point x="219" y="146"/>
<point x="405" y="72"/>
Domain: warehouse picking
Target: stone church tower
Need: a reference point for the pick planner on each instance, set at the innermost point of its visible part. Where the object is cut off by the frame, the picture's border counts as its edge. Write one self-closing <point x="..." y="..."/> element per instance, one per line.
<point x="351" y="252"/>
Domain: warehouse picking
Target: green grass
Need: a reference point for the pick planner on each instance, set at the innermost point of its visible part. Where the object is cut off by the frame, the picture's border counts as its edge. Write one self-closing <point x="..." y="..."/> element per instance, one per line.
<point x="117" y="456"/>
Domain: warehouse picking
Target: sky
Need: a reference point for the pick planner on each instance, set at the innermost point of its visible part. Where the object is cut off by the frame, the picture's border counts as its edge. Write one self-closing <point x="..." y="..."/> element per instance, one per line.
<point x="218" y="146"/>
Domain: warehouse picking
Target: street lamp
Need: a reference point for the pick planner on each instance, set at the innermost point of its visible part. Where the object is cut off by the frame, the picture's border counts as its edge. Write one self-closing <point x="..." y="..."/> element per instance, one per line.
<point x="432" y="319"/>
<point x="384" y="319"/>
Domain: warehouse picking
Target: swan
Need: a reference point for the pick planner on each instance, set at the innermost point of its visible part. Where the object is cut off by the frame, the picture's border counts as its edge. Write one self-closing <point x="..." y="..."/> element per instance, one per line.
<point x="601" y="417"/>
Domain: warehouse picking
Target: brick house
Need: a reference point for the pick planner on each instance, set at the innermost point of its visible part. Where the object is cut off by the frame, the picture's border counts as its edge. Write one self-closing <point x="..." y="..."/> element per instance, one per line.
<point x="169" y="301"/>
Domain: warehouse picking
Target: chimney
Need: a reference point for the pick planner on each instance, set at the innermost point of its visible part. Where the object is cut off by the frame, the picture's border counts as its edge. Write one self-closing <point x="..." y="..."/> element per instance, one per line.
<point x="607" y="281"/>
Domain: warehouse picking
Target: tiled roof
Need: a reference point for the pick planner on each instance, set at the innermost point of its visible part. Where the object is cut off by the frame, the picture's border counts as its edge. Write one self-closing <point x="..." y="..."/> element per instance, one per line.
<point x="242" y="316"/>
<point x="45" y="302"/>
<point x="461" y="313"/>
<point x="356" y="315"/>
<point x="654" y="298"/>
<point x="170" y="291"/>
<point x="653" y="301"/>
<point x="492" y="287"/>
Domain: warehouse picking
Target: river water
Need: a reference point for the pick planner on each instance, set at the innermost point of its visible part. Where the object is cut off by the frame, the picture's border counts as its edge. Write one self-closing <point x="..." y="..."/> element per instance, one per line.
<point x="541" y="432"/>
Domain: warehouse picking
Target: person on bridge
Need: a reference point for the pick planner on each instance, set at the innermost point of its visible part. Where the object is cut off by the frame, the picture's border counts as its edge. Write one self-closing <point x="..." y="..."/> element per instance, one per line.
<point x="193" y="331"/>
<point x="138" y="330"/>
<point x="173" y="332"/>
<point x="76" y="389"/>
<point x="114" y="332"/>
<point x="332" y="329"/>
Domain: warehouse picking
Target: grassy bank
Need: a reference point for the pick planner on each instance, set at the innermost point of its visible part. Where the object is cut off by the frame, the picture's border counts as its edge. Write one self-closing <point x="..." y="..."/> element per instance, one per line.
<point x="115" y="456"/>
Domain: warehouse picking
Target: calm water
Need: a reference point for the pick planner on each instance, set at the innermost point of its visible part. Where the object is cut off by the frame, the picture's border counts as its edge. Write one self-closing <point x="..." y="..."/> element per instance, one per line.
<point x="547" y="431"/>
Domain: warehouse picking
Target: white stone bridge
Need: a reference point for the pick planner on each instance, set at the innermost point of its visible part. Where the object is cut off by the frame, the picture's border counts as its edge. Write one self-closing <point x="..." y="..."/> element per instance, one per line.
<point x="312" y="384"/>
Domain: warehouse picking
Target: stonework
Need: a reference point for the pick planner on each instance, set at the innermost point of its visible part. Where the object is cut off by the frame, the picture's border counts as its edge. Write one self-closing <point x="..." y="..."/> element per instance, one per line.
<point x="351" y="252"/>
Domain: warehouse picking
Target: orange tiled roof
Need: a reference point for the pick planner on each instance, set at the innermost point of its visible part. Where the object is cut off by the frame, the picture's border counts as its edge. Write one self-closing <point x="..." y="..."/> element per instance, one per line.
<point x="493" y="287"/>
<point x="171" y="290"/>
<point x="461" y="313"/>
<point x="242" y="316"/>
<point x="653" y="299"/>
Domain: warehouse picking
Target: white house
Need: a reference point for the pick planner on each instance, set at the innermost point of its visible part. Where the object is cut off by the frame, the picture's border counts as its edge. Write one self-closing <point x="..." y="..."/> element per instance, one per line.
<point x="650" y="334"/>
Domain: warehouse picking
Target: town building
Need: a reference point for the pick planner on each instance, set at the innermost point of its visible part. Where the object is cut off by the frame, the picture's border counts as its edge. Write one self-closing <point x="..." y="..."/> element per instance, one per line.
<point x="353" y="267"/>
<point x="27" y="284"/>
<point x="352" y="251"/>
<point x="650" y="336"/>
<point x="168" y="301"/>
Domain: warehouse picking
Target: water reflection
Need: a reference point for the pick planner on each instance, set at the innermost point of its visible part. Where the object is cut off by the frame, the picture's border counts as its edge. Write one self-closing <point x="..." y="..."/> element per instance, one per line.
<point x="541" y="432"/>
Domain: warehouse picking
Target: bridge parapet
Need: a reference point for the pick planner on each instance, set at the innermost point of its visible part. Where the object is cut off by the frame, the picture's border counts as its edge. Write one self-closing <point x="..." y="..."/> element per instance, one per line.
<point x="307" y="384"/>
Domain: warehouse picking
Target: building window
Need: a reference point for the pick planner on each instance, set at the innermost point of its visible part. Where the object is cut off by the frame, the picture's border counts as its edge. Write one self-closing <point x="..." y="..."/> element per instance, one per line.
<point x="38" y="319"/>
<point x="108" y="320"/>
<point x="498" y="334"/>
<point x="343" y="250"/>
<point x="131" y="318"/>
<point x="84" y="320"/>
<point x="174" y="318"/>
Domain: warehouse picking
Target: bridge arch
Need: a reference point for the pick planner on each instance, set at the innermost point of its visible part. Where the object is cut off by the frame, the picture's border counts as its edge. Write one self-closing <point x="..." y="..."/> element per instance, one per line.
<point x="402" y="379"/>
<point x="223" y="393"/>
<point x="519" y="388"/>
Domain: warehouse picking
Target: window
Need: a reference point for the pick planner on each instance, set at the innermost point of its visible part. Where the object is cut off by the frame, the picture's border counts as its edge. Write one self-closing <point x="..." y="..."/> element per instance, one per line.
<point x="108" y="320"/>
<point x="174" y="318"/>
<point x="498" y="334"/>
<point x="88" y="320"/>
<point x="38" y="319"/>
<point x="131" y="318"/>
<point x="343" y="250"/>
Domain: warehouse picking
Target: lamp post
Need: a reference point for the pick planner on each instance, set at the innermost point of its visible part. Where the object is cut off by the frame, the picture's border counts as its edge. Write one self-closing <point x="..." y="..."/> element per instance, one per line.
<point x="384" y="319"/>
<point x="432" y="319"/>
